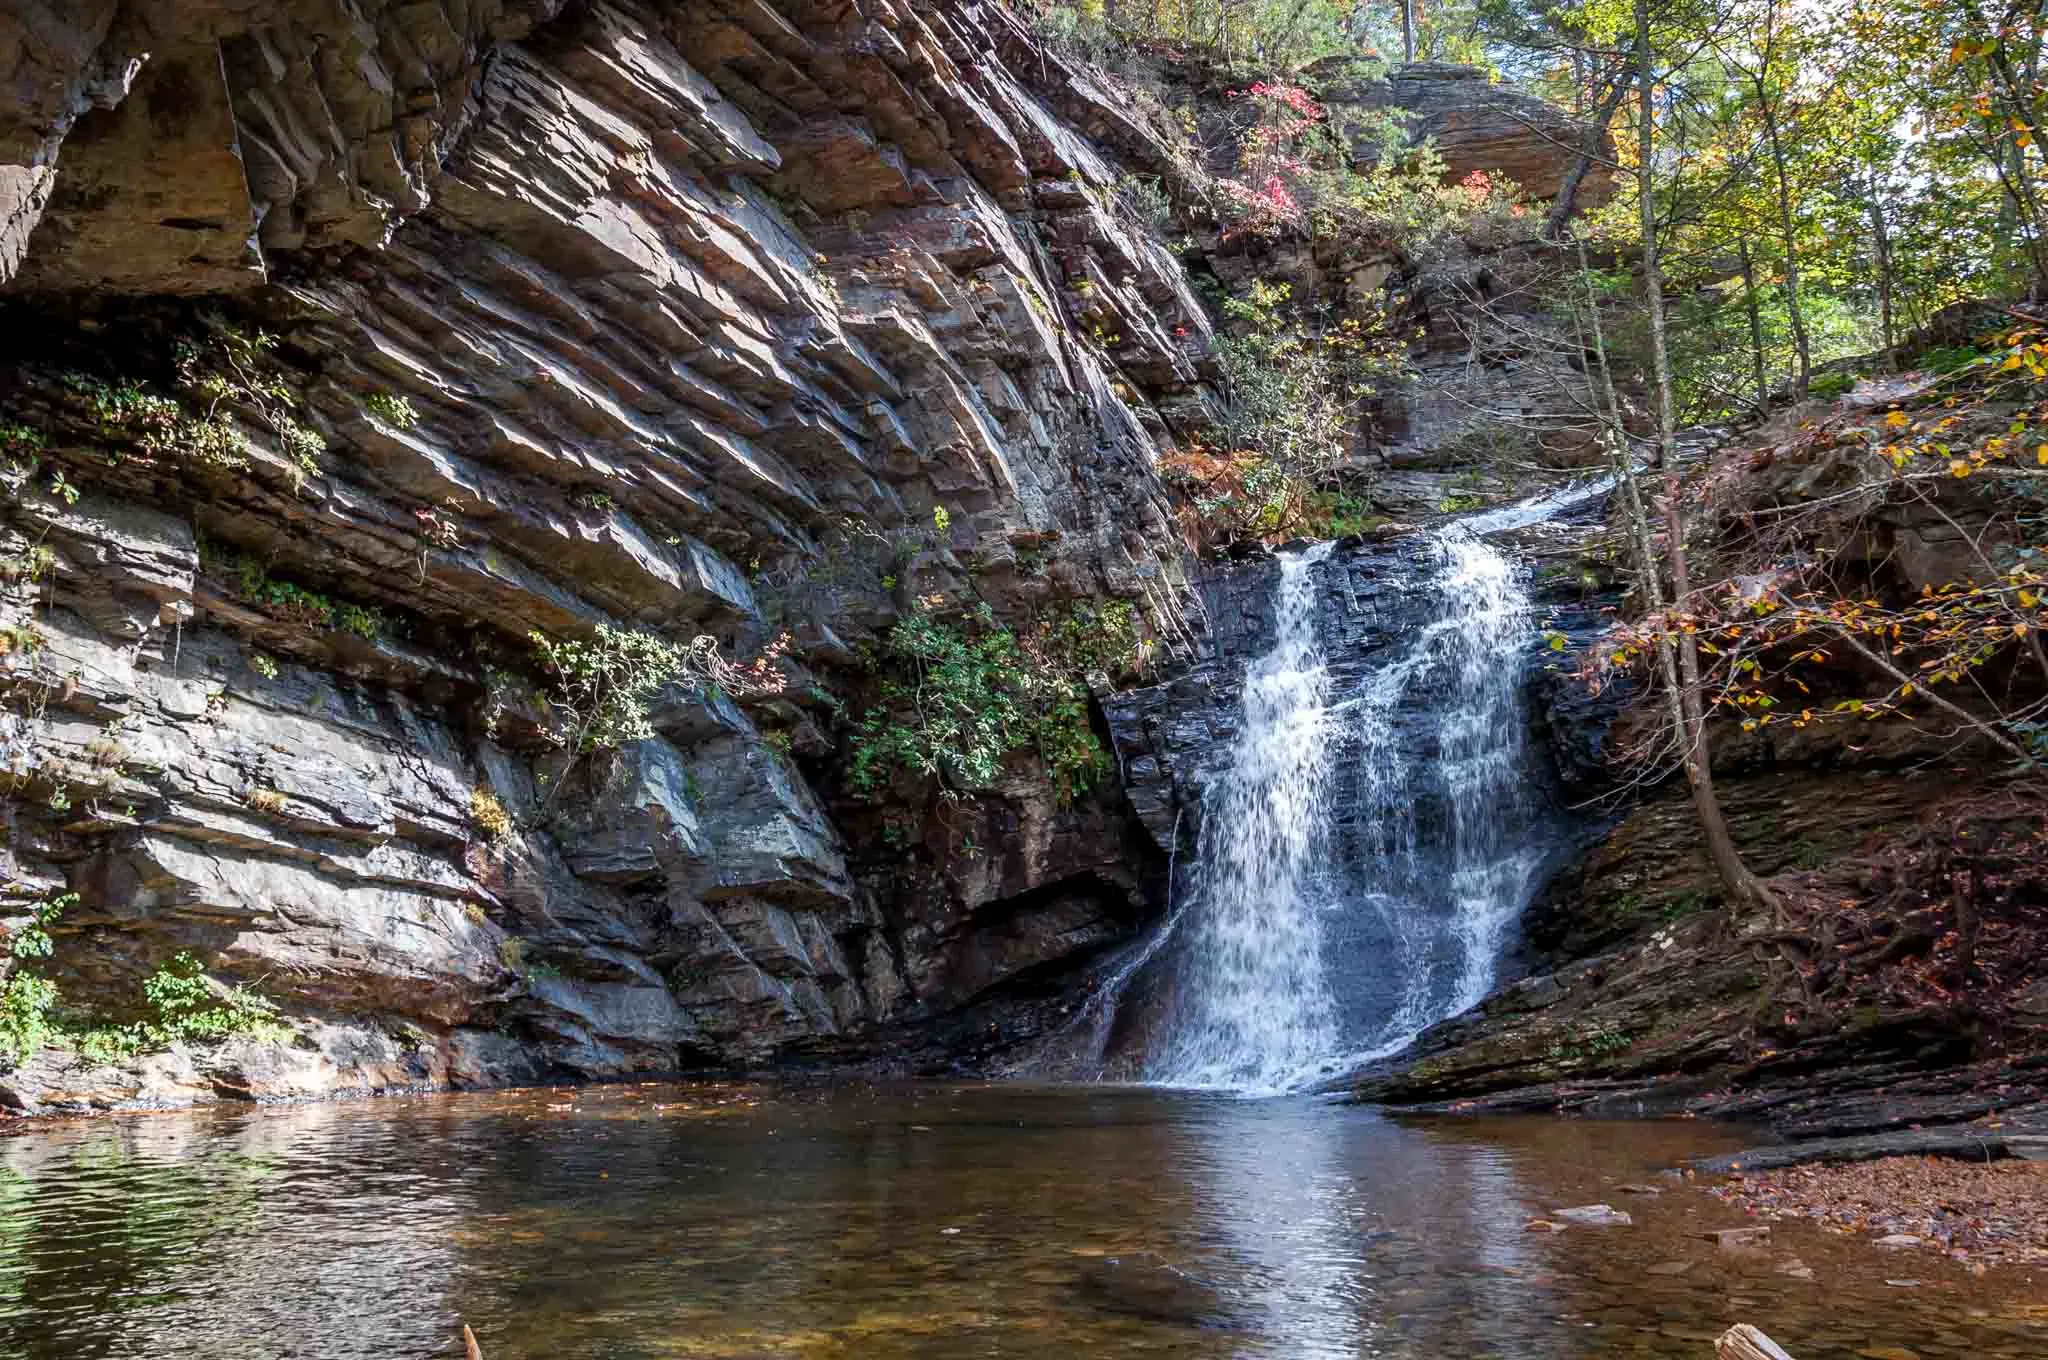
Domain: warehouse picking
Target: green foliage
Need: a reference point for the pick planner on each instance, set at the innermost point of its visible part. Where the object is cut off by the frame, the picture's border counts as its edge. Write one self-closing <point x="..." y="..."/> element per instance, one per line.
<point x="603" y="685"/>
<point x="1947" y="359"/>
<point x="1712" y="357"/>
<point x="183" y="1005"/>
<point x="22" y="446"/>
<point x="365" y="621"/>
<point x="29" y="565"/>
<point x="1293" y="388"/>
<point x="395" y="411"/>
<point x="32" y="940"/>
<point x="187" y="1007"/>
<point x="1146" y="200"/>
<point x="1828" y="386"/>
<point x="1337" y="514"/>
<point x="1244" y="36"/>
<point x="299" y="604"/>
<point x="955" y="699"/>
<point x="1290" y="393"/>
<point x="1093" y="637"/>
<point x="219" y="373"/>
<point x="26" y="1001"/>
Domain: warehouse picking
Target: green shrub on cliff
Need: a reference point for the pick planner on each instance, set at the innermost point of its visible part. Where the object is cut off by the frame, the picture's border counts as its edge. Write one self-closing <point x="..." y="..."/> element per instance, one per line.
<point x="183" y="1004"/>
<point x="1278" y="467"/>
<point x="956" y="699"/>
<point x="603" y="684"/>
<point x="186" y="1006"/>
<point x="27" y="999"/>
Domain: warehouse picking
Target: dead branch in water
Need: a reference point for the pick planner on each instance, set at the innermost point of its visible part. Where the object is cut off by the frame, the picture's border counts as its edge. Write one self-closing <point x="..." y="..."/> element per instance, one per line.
<point x="1744" y="1342"/>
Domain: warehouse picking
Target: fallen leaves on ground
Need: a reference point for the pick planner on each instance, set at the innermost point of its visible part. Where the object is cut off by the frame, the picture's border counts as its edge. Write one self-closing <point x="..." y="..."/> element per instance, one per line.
<point x="1981" y="1212"/>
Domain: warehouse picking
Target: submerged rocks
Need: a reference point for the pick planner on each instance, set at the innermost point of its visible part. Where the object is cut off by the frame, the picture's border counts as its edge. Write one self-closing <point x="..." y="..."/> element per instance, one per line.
<point x="1596" y="1216"/>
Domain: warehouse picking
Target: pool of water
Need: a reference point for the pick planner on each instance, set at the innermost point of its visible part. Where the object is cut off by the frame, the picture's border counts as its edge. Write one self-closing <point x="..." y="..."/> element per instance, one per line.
<point x="925" y="1221"/>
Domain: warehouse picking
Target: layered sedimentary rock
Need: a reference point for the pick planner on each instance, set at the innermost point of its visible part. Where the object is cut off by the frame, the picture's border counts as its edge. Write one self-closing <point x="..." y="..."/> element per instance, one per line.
<point x="717" y="318"/>
<point x="647" y="333"/>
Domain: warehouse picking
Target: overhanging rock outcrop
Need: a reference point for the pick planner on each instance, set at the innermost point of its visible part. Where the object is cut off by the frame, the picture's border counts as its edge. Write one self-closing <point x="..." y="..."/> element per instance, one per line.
<point x="592" y="331"/>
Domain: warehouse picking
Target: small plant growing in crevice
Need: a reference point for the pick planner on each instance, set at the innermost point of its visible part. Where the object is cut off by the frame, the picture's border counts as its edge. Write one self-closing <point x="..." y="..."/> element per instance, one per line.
<point x="488" y="815"/>
<point x="220" y="373"/>
<point x="254" y="584"/>
<point x="394" y="410"/>
<point x="602" y="685"/>
<point x="437" y="528"/>
<point x="365" y="621"/>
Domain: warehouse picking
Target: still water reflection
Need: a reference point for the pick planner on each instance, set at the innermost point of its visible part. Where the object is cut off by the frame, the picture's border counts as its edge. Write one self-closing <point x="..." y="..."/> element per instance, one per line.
<point x="920" y="1221"/>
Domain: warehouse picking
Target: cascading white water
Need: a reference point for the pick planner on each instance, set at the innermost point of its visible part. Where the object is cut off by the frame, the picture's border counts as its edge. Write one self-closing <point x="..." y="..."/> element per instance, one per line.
<point x="1453" y="840"/>
<point x="1370" y="845"/>
<point x="1253" y="1008"/>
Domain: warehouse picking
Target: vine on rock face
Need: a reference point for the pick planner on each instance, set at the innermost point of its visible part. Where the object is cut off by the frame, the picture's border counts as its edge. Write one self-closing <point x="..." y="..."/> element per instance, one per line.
<point x="957" y="699"/>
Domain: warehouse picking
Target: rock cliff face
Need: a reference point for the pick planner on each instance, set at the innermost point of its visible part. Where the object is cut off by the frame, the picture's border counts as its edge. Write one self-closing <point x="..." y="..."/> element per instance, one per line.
<point x="718" y="318"/>
<point x="591" y="332"/>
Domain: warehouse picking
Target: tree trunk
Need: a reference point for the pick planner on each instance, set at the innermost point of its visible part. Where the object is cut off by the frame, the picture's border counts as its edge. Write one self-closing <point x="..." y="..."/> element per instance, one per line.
<point x="1408" y="31"/>
<point x="1881" y="250"/>
<point x="1742" y="885"/>
<point x="1803" y="347"/>
<point x="1756" y="330"/>
<point x="1589" y="150"/>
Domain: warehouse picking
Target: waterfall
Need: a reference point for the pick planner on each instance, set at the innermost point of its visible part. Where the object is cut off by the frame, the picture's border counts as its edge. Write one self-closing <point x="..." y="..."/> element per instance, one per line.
<point x="1452" y="840"/>
<point x="1366" y="852"/>
<point x="1253" y="1006"/>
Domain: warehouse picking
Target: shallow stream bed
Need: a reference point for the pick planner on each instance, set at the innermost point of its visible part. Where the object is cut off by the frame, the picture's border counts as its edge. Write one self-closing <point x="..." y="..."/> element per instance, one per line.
<point x="926" y="1221"/>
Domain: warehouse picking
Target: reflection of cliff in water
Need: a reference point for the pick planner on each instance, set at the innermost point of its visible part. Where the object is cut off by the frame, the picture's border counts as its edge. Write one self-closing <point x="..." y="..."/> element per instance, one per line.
<point x="161" y="1237"/>
<point x="919" y="1223"/>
